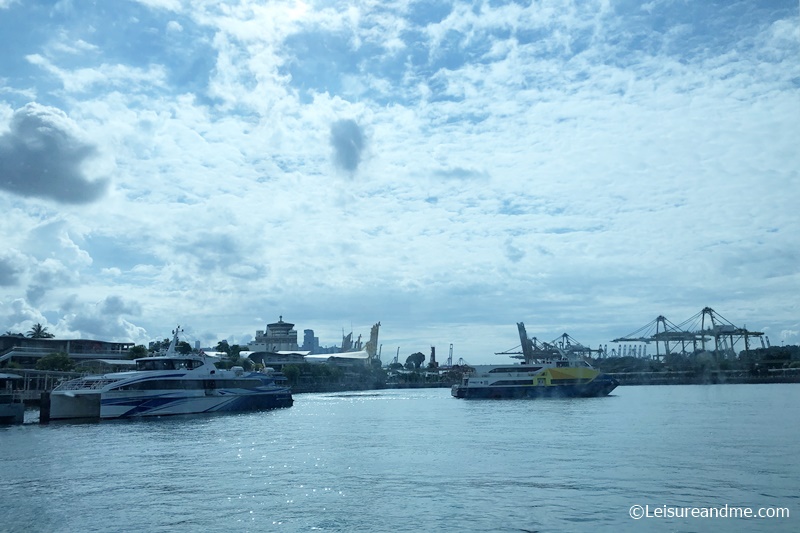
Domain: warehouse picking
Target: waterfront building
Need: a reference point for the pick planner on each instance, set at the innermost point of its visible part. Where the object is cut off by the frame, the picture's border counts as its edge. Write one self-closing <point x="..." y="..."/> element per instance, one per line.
<point x="278" y="346"/>
<point x="275" y="347"/>
<point x="26" y="351"/>
<point x="280" y="336"/>
<point x="310" y="342"/>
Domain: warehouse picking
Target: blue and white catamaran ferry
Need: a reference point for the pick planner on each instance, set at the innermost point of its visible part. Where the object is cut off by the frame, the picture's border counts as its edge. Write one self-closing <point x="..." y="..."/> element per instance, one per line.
<point x="169" y="384"/>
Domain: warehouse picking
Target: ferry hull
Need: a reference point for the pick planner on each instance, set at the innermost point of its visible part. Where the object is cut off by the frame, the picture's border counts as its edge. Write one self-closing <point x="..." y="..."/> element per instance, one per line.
<point x="171" y="404"/>
<point x="600" y="386"/>
<point x="70" y="404"/>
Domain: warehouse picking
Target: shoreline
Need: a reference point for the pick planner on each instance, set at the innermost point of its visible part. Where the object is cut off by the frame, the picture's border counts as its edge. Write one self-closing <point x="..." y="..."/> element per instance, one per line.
<point x="712" y="378"/>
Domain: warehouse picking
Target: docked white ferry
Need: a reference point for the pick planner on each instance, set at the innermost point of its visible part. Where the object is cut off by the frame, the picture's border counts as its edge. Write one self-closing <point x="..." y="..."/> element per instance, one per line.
<point x="169" y="384"/>
<point x="546" y="373"/>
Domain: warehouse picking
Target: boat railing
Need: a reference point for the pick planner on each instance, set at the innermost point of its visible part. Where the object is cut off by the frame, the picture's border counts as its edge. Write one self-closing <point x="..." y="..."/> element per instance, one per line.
<point x="84" y="384"/>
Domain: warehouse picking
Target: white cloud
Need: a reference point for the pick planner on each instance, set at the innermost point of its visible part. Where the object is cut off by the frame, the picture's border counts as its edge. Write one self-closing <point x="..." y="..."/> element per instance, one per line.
<point x="565" y="164"/>
<point x="113" y="76"/>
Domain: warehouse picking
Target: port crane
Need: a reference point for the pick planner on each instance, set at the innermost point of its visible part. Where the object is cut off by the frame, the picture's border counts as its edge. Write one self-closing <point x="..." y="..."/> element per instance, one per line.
<point x="695" y="333"/>
<point x="533" y="349"/>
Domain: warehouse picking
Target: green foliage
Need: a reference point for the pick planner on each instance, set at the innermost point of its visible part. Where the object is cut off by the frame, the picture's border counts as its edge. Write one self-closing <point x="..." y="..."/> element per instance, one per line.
<point x="183" y="347"/>
<point x="230" y="362"/>
<point x="246" y="363"/>
<point x="223" y="346"/>
<point x="312" y="373"/>
<point x="159" y="346"/>
<point x="55" y="361"/>
<point x="327" y="372"/>
<point x="415" y="360"/>
<point x="292" y="373"/>
<point x="137" y="351"/>
<point x="706" y="362"/>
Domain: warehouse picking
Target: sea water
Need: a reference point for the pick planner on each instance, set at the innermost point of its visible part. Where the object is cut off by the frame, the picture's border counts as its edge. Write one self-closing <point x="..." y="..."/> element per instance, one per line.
<point x="420" y="460"/>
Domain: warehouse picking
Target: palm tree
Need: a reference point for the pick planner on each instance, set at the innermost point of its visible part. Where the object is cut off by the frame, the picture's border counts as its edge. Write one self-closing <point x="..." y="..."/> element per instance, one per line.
<point x="39" y="332"/>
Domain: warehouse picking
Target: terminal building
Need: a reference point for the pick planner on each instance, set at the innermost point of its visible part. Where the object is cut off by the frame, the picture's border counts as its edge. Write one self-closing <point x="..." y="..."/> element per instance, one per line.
<point x="277" y="346"/>
<point x="26" y="351"/>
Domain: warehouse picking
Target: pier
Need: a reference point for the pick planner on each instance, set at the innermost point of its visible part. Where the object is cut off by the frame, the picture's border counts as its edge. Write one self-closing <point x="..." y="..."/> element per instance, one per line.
<point x="36" y="382"/>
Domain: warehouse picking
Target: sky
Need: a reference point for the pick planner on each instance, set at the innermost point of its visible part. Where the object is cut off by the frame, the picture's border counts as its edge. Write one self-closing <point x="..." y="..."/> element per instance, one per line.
<point x="447" y="169"/>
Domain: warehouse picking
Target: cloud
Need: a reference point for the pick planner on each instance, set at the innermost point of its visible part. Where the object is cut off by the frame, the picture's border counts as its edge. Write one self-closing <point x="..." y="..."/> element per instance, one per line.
<point x="116" y="305"/>
<point x="347" y="139"/>
<point x="560" y="159"/>
<point x="42" y="155"/>
<point x="459" y="173"/>
<point x="10" y="270"/>
<point x="50" y="274"/>
<point x="20" y="316"/>
<point x="513" y="253"/>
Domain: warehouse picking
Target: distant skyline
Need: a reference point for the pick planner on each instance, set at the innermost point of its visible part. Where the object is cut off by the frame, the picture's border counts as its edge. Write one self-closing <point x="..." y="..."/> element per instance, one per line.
<point x="445" y="168"/>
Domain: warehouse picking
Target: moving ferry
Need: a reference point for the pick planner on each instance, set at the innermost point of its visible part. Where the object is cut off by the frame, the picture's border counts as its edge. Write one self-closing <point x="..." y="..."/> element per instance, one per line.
<point x="169" y="384"/>
<point x="553" y="372"/>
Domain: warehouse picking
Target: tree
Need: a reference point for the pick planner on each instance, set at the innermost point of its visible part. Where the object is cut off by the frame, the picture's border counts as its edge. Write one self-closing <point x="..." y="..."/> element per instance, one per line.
<point x="137" y="351"/>
<point x="183" y="347"/>
<point x="55" y="361"/>
<point x="159" y="346"/>
<point x="292" y="373"/>
<point x="223" y="346"/>
<point x="39" y="332"/>
<point x="415" y="360"/>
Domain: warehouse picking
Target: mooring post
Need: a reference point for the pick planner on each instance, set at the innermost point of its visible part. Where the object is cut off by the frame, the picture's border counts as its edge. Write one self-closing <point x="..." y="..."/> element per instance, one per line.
<point x="44" y="408"/>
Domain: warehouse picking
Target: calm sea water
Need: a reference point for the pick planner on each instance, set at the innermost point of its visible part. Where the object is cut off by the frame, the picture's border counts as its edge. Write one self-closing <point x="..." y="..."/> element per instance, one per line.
<point x="400" y="460"/>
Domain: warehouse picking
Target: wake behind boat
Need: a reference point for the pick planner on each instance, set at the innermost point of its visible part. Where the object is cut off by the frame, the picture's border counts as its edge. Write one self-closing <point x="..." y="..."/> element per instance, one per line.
<point x="546" y="373"/>
<point x="169" y="384"/>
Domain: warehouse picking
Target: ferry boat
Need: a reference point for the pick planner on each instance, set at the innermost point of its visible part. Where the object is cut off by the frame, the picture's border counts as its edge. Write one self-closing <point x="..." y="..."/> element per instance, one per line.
<point x="169" y="384"/>
<point x="550" y="372"/>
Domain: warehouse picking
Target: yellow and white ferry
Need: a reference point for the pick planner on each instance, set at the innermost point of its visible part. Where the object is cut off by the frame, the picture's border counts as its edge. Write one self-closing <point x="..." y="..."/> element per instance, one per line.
<point x="553" y="372"/>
